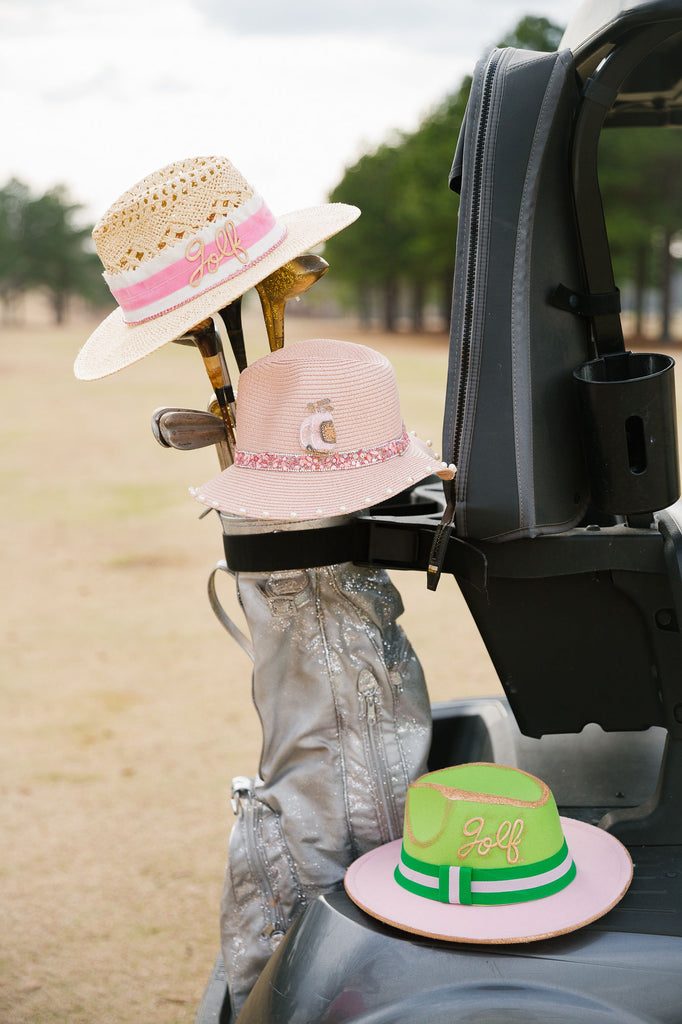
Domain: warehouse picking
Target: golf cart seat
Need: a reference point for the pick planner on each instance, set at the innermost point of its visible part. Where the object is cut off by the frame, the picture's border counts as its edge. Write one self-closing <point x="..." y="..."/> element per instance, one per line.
<point x="563" y="529"/>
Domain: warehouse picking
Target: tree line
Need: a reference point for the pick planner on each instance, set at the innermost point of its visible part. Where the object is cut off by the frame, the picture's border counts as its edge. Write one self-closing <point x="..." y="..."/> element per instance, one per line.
<point x="43" y="247"/>
<point x="401" y="251"/>
<point x="399" y="256"/>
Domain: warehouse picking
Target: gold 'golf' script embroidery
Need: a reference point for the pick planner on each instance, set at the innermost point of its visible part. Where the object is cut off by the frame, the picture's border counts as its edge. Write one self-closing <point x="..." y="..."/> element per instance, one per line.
<point x="228" y="244"/>
<point x="507" y="838"/>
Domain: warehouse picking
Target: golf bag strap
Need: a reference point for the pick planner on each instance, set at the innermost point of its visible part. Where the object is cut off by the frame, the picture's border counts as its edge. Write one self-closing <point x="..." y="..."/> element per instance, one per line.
<point x="389" y="543"/>
<point x="302" y="549"/>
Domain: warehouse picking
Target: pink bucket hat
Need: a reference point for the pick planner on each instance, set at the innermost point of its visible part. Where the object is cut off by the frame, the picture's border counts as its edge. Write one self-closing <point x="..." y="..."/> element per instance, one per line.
<point x="485" y="857"/>
<point x="183" y="243"/>
<point x="319" y="433"/>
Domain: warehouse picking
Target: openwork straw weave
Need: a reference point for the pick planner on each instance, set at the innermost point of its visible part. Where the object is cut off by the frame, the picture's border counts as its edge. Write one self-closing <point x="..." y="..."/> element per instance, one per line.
<point x="167" y="208"/>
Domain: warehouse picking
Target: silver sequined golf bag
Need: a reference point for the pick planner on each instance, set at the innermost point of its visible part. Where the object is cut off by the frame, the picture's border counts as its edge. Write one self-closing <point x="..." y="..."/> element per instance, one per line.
<point x="346" y="727"/>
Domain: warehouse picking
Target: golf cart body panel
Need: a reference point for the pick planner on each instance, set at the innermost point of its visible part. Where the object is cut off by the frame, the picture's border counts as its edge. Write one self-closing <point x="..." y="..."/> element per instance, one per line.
<point x="576" y="587"/>
<point x="339" y="964"/>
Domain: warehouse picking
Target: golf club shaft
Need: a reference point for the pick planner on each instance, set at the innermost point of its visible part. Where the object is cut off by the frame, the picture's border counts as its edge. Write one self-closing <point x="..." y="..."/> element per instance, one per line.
<point x="207" y="340"/>
<point x="232" y="318"/>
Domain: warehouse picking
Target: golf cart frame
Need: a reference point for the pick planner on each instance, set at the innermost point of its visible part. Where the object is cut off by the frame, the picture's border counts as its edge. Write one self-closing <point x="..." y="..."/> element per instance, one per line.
<point x="579" y="601"/>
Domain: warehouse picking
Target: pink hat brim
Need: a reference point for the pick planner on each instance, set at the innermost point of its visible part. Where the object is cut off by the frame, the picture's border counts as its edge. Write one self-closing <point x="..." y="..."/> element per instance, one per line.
<point x="603" y="874"/>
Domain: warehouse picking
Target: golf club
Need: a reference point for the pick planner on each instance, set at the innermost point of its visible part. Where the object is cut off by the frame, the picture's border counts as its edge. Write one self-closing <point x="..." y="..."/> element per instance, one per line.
<point x="232" y="318"/>
<point x="207" y="340"/>
<point x="288" y="282"/>
<point x="187" y="429"/>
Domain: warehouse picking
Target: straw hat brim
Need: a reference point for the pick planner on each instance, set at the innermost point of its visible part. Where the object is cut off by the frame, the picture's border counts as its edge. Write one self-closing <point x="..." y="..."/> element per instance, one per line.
<point x="603" y="874"/>
<point x="115" y="344"/>
<point x="317" y="494"/>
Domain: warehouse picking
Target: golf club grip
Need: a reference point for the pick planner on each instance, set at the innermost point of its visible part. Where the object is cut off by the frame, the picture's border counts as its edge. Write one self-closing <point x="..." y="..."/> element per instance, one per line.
<point x="232" y="318"/>
<point x="207" y="340"/>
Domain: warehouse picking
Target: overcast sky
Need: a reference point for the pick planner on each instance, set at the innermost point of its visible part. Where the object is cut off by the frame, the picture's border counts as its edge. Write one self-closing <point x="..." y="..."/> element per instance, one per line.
<point x="98" y="93"/>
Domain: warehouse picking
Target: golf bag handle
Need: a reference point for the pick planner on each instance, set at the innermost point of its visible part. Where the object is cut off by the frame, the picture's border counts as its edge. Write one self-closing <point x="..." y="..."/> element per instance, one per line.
<point x="220" y="612"/>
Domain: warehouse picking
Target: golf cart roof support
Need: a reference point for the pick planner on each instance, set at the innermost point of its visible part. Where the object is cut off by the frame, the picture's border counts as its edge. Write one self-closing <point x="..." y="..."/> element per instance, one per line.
<point x="600" y="92"/>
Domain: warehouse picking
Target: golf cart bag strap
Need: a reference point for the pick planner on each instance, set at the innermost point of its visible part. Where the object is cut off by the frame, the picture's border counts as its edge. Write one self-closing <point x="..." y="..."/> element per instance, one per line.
<point x="302" y="549"/>
<point x="511" y="422"/>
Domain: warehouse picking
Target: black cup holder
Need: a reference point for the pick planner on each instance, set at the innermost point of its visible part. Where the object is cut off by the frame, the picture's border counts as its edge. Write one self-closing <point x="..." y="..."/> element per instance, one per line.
<point x="629" y="425"/>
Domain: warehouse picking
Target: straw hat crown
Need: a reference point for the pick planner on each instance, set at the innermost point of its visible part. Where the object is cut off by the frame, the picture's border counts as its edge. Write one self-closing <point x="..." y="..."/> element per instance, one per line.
<point x="167" y="208"/>
<point x="481" y="815"/>
<point x="357" y="382"/>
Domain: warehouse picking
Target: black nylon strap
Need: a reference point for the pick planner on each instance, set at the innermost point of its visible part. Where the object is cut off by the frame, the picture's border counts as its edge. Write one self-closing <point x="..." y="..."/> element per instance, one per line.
<point x="583" y="304"/>
<point x="390" y="544"/>
<point x="295" y="549"/>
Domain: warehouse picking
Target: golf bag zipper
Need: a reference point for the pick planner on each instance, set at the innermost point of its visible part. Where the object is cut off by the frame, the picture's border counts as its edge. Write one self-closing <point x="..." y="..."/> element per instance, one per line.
<point x="470" y="289"/>
<point x="442" y="534"/>
<point x="388" y="817"/>
<point x="248" y="808"/>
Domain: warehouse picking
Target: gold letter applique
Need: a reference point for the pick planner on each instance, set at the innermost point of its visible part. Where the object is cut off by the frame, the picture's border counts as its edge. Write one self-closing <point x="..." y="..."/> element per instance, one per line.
<point x="507" y="838"/>
<point x="228" y="243"/>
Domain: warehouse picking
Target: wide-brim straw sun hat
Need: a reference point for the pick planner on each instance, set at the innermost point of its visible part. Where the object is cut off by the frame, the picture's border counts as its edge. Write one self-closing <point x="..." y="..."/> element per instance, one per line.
<point x="319" y="434"/>
<point x="486" y="858"/>
<point x="181" y="244"/>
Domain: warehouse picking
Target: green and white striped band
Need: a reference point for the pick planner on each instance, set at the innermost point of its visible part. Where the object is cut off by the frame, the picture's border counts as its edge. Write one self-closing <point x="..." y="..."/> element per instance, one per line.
<point x="486" y="886"/>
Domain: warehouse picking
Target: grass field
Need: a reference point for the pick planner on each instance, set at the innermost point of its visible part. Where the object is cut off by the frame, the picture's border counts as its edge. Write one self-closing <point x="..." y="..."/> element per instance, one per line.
<point x="126" y="708"/>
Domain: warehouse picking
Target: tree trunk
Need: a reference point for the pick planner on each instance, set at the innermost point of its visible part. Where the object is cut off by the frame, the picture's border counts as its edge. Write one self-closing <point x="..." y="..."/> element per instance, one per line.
<point x="58" y="301"/>
<point x="365" y="304"/>
<point x="666" y="288"/>
<point x="391" y="305"/>
<point x="446" y="299"/>
<point x="418" y="300"/>
<point x="640" y="286"/>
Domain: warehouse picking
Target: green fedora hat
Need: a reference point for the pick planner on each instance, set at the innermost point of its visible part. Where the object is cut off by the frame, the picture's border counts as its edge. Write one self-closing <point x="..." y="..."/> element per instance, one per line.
<point x="486" y="857"/>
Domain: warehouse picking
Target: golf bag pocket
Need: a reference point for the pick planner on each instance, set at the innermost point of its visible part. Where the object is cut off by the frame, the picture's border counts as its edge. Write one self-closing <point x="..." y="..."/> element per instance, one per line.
<point x="261" y="896"/>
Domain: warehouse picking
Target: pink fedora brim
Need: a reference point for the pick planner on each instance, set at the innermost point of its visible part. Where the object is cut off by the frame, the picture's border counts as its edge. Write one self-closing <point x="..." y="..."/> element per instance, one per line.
<point x="603" y="874"/>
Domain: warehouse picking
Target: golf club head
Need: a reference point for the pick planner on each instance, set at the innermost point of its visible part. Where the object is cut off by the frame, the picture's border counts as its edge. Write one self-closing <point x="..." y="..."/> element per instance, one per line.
<point x="288" y="282"/>
<point x="187" y="429"/>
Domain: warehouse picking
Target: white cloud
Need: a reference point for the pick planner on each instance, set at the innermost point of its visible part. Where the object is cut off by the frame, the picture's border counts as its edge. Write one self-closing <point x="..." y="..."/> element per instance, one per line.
<point x="427" y="24"/>
<point x="97" y="95"/>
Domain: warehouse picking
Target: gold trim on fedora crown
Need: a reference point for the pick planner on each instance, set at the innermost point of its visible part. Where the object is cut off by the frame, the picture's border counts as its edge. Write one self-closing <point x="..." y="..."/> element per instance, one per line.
<point x="453" y="795"/>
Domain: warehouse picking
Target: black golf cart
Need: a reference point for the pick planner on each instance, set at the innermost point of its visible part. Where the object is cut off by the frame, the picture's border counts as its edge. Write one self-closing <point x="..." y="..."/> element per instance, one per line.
<point x="563" y="532"/>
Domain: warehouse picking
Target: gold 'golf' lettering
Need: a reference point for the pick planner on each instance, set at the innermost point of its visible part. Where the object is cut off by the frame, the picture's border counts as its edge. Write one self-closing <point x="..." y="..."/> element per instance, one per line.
<point x="228" y="244"/>
<point x="506" y="838"/>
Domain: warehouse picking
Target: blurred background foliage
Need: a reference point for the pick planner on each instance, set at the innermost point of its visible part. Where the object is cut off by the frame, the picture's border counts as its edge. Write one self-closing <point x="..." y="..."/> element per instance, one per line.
<point x="397" y="261"/>
<point x="395" y="267"/>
